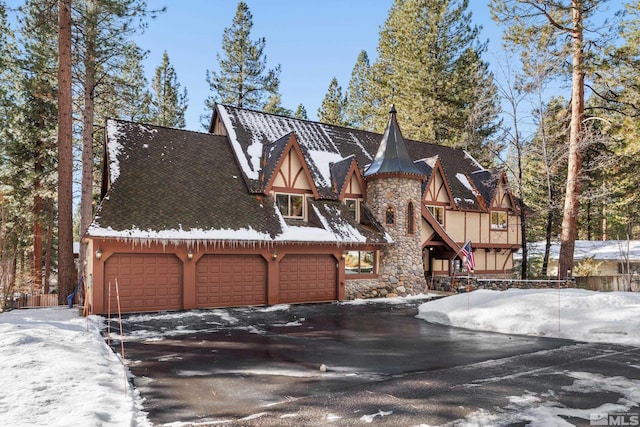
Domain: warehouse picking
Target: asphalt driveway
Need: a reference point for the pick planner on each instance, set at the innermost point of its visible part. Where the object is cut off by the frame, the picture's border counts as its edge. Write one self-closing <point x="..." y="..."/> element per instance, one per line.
<point x="354" y="364"/>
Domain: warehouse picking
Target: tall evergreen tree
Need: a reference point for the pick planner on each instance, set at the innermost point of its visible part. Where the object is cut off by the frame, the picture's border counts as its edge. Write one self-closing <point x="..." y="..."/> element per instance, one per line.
<point x="30" y="168"/>
<point x="332" y="110"/>
<point x="129" y="96"/>
<point x="429" y="65"/>
<point x="102" y="28"/>
<point x="620" y="85"/>
<point x="168" y="102"/>
<point x="243" y="79"/>
<point x="65" y="153"/>
<point x="359" y="110"/>
<point x="11" y="225"/>
<point x="559" y="27"/>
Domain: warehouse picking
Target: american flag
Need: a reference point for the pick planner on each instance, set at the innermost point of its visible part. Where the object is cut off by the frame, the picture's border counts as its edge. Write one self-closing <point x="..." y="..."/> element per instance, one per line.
<point x="468" y="254"/>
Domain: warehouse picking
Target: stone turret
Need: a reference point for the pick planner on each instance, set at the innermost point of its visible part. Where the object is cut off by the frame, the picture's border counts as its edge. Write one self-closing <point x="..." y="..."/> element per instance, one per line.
<point x="394" y="194"/>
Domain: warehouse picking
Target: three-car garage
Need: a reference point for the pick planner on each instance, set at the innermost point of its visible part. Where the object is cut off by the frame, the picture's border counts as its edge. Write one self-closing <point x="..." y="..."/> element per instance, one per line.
<point x="168" y="281"/>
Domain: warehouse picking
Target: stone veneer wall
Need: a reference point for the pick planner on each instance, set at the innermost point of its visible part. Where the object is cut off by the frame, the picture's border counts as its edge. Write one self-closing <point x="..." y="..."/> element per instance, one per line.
<point x="369" y="288"/>
<point x="400" y="268"/>
<point x="460" y="284"/>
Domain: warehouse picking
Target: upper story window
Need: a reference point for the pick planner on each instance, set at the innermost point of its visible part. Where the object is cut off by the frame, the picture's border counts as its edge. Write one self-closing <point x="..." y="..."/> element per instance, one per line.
<point x="390" y="215"/>
<point x="290" y="205"/>
<point x="498" y="220"/>
<point x="410" y="219"/>
<point x="437" y="212"/>
<point x="353" y="206"/>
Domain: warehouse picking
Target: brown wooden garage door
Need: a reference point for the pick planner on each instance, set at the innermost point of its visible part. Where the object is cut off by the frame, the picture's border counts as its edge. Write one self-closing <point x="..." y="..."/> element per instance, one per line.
<point x="145" y="282"/>
<point x="231" y="280"/>
<point x="307" y="278"/>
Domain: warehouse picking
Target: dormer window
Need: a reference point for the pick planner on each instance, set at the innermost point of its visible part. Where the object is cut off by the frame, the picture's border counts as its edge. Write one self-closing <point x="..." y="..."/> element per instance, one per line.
<point x="353" y="206"/>
<point x="290" y="205"/>
<point x="498" y="220"/>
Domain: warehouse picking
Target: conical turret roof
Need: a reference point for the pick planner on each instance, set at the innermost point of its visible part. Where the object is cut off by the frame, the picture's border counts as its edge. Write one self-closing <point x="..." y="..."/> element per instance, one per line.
<point x="392" y="155"/>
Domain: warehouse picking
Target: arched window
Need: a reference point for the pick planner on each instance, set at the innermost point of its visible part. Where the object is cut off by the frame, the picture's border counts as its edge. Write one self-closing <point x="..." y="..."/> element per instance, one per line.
<point x="410" y="220"/>
<point x="390" y="215"/>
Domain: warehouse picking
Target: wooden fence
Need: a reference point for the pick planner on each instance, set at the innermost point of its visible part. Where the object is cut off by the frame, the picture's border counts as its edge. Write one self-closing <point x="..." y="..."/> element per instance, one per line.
<point x="609" y="283"/>
<point x="41" y="300"/>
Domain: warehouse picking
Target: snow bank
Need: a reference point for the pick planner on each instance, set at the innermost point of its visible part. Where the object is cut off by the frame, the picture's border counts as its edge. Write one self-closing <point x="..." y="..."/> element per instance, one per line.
<point x="58" y="371"/>
<point x="612" y="317"/>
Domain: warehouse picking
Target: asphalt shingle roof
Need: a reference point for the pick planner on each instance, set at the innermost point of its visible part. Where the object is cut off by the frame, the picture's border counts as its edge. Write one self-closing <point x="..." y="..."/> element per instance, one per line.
<point x="169" y="179"/>
<point x="171" y="184"/>
<point x="323" y="144"/>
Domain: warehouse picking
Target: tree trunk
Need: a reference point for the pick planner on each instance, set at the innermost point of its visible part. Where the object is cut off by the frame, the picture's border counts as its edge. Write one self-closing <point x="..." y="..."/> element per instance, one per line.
<point x="47" y="259"/>
<point x="572" y="201"/>
<point x="523" y="233"/>
<point x="38" y="208"/>
<point x="65" y="154"/>
<point x="547" y="246"/>
<point x="86" y="199"/>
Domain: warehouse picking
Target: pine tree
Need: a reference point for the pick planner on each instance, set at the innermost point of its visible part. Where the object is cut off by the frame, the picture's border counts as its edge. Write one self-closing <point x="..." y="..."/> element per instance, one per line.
<point x="11" y="226"/>
<point x="359" y="110"/>
<point x="332" y="110"/>
<point x="30" y="149"/>
<point x="301" y="113"/>
<point x="65" y="154"/>
<point x="620" y="85"/>
<point x="243" y="79"/>
<point x="274" y="106"/>
<point x="168" y="102"/>
<point x="429" y="65"/>
<point x="559" y="27"/>
<point x="104" y="27"/>
<point x="129" y="96"/>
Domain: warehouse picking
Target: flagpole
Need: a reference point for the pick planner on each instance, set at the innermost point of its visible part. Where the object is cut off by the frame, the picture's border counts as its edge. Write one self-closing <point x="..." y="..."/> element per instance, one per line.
<point x="453" y="264"/>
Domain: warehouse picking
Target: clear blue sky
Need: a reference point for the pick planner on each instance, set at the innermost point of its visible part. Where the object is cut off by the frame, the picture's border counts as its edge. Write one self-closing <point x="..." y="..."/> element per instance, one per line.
<point x="313" y="41"/>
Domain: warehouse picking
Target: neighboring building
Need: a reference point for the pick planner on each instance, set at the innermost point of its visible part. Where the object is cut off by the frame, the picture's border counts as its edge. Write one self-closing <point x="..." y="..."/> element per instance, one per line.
<point x="266" y="209"/>
<point x="598" y="264"/>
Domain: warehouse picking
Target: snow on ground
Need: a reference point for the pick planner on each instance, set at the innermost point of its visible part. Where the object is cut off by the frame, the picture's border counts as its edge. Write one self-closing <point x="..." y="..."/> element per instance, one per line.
<point x="56" y="370"/>
<point x="611" y="317"/>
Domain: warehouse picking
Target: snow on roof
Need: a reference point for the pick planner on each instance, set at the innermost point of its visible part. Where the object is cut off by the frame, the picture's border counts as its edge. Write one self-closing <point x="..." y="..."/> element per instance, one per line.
<point x="173" y="235"/>
<point x="331" y="233"/>
<point x="114" y="146"/>
<point x="470" y="157"/>
<point x="250" y="170"/>
<point x="293" y="233"/>
<point x="317" y="139"/>
<point x="464" y="181"/>
<point x="607" y="250"/>
<point x="323" y="160"/>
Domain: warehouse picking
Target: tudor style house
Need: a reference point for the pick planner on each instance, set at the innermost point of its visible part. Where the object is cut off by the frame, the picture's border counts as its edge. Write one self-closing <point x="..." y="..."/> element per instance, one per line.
<point x="265" y="210"/>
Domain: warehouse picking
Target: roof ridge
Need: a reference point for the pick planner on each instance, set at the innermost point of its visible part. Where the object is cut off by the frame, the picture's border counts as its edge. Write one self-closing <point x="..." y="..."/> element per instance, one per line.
<point x="158" y="126"/>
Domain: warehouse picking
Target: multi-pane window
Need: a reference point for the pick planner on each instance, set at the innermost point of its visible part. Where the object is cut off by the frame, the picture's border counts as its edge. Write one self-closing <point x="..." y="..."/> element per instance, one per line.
<point x="390" y="215"/>
<point x="353" y="208"/>
<point x="437" y="212"/>
<point x="290" y="205"/>
<point x="359" y="262"/>
<point x="498" y="220"/>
